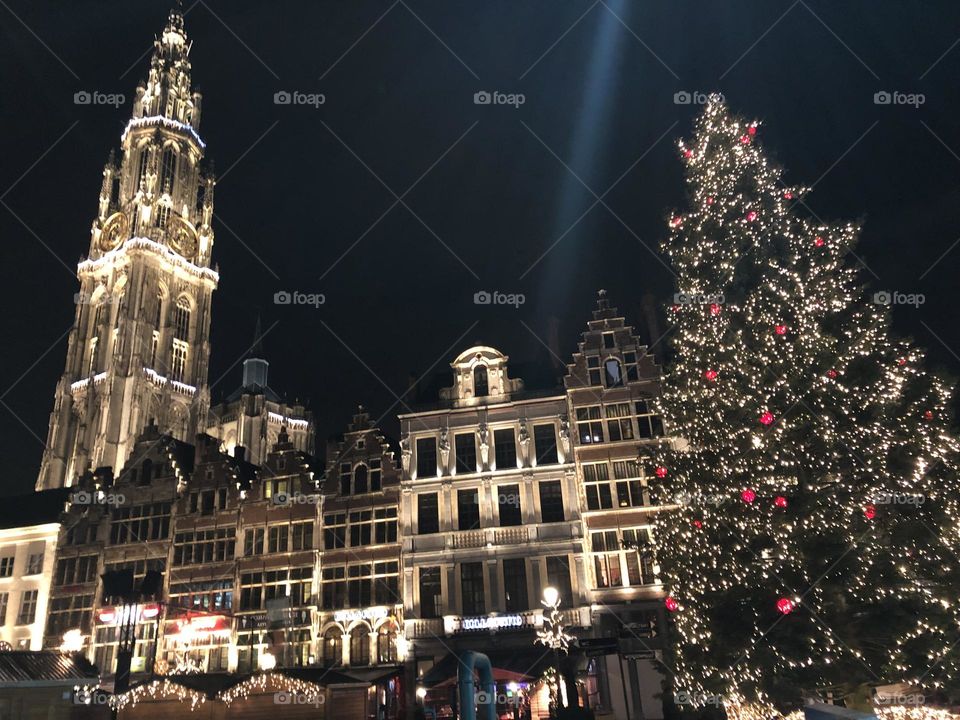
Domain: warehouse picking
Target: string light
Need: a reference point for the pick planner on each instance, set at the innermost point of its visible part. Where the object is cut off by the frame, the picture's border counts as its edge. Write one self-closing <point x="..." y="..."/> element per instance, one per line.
<point x="158" y="690"/>
<point x="277" y="681"/>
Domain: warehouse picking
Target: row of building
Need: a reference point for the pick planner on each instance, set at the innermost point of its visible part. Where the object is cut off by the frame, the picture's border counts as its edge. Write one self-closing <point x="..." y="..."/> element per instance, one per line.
<point x="174" y="539"/>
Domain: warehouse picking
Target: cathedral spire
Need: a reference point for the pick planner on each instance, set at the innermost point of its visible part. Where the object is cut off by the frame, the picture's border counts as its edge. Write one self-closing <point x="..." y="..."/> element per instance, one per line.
<point x="167" y="92"/>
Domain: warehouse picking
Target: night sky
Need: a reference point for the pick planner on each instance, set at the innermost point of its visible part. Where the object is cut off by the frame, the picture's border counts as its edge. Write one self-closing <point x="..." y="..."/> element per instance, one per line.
<point x="301" y="189"/>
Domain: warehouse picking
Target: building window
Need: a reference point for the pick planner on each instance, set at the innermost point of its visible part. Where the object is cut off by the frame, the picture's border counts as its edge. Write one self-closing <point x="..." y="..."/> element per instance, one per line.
<point x="73" y="571"/>
<point x="144" y="160"/>
<point x="629" y="486"/>
<point x="630" y="362"/>
<point x="376" y="475"/>
<point x="385" y="525"/>
<point x="162" y="215"/>
<point x="65" y="613"/>
<point x="5" y="599"/>
<point x="35" y="564"/>
<point x="622" y="557"/>
<point x="558" y="576"/>
<point x="545" y="444"/>
<point x="253" y="542"/>
<point x="302" y="536"/>
<point x="596" y="485"/>
<point x="428" y="514"/>
<point x="359" y="586"/>
<point x="139" y="523"/>
<point x="465" y="446"/>
<point x="606" y="558"/>
<point x="178" y="362"/>
<point x="426" y="457"/>
<point x="481" y="385"/>
<point x="333" y="647"/>
<point x="360" y="479"/>
<point x="609" y="341"/>
<point x="28" y="607"/>
<point x="334" y="531"/>
<point x="619" y="422"/>
<point x="515" y="585"/>
<point x="359" y="646"/>
<point x="181" y="325"/>
<point x="386" y="583"/>
<point x="215" y="596"/>
<point x="551" y="501"/>
<point x="168" y="166"/>
<point x="345" y="476"/>
<point x="278" y="538"/>
<point x="471" y="588"/>
<point x="589" y="425"/>
<point x="333" y="588"/>
<point x="431" y="599"/>
<point x="612" y="374"/>
<point x="206" y="546"/>
<point x="508" y="505"/>
<point x="593" y="369"/>
<point x="505" y="448"/>
<point x="468" y="509"/>
<point x="648" y="422"/>
<point x="361" y="528"/>
<point x="387" y="644"/>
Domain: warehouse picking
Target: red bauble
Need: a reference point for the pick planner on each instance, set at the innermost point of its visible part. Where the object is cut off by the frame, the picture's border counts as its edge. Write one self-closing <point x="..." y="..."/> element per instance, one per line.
<point x="901" y="362"/>
<point x="928" y="415"/>
<point x="675" y="221"/>
<point x="675" y="308"/>
<point x="745" y="139"/>
<point x="870" y="511"/>
<point x="709" y="201"/>
<point x="780" y="329"/>
<point x="785" y="605"/>
<point x="752" y="129"/>
<point x="819" y="241"/>
<point x="788" y="195"/>
<point x="688" y="153"/>
<point x="767" y="418"/>
<point x="831" y="374"/>
<point x="748" y="496"/>
<point x="672" y="604"/>
<point x="751" y="216"/>
<point x="714" y="309"/>
<point x="698" y="524"/>
<point x="780" y="501"/>
<point x="661" y="471"/>
<point x="710" y="375"/>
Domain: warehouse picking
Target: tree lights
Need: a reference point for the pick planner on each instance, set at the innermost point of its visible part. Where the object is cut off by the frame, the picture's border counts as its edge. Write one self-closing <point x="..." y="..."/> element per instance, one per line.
<point x="843" y="429"/>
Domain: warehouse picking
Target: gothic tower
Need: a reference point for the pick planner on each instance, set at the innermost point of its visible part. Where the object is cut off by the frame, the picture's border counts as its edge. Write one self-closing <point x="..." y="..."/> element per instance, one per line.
<point x="139" y="349"/>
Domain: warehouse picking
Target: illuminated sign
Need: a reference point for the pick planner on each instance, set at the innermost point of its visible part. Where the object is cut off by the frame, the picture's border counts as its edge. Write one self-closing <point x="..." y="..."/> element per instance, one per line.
<point x="371" y="613"/>
<point x="491" y="622"/>
<point x="200" y="625"/>
<point x="116" y="615"/>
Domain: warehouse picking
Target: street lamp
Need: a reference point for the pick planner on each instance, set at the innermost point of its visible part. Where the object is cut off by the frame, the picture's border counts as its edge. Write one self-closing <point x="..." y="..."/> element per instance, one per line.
<point x="553" y="635"/>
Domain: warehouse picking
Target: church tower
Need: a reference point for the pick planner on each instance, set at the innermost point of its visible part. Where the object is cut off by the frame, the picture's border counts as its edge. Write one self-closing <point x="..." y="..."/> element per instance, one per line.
<point x="139" y="348"/>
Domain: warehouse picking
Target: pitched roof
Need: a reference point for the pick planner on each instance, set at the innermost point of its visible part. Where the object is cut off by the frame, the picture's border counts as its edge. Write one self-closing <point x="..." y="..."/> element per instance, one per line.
<point x="44" y="666"/>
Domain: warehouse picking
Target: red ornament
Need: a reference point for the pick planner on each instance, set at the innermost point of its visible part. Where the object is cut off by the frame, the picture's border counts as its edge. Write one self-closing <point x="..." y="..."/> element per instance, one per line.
<point x="751" y="216"/>
<point x="675" y="308"/>
<point x="902" y="361"/>
<point x="788" y="195"/>
<point x="672" y="604"/>
<point x="819" y="241"/>
<point x="785" y="605"/>
<point x="661" y="471"/>
<point x="698" y="524"/>
<point x="766" y="418"/>
<point x="928" y="415"/>
<point x="714" y="309"/>
<point x="752" y="129"/>
<point x="710" y="201"/>
<point x="780" y="329"/>
<point x="780" y="501"/>
<point x="748" y="496"/>
<point x="711" y="375"/>
<point x="675" y="221"/>
<point x="688" y="153"/>
<point x="870" y="511"/>
<point x="745" y="139"/>
<point x="831" y="374"/>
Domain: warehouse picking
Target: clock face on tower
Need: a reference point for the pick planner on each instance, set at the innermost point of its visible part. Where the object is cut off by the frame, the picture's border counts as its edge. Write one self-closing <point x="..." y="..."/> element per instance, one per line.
<point x="114" y="232"/>
<point x="183" y="238"/>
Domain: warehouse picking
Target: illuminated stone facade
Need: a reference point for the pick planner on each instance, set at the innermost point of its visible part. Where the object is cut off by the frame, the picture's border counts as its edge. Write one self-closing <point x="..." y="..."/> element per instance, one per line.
<point x="139" y="348"/>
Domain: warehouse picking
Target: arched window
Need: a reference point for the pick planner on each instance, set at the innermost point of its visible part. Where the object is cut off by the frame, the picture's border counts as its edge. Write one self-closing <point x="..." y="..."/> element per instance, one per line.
<point x="157" y="324"/>
<point x="168" y="166"/>
<point x="480" y="383"/>
<point x="142" y="169"/>
<point x="612" y="374"/>
<point x="182" y="320"/>
<point x="162" y="215"/>
<point x="359" y="646"/>
<point x="387" y="644"/>
<point x="360" y="479"/>
<point x="333" y="647"/>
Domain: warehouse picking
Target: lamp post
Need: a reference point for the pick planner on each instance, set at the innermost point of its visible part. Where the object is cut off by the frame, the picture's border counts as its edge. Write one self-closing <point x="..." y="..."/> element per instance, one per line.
<point x="553" y="636"/>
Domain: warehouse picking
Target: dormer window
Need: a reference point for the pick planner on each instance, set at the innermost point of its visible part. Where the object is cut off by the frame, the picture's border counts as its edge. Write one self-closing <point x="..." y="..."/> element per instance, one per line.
<point x="609" y="342"/>
<point x="612" y="373"/>
<point x="481" y="386"/>
<point x="360" y="479"/>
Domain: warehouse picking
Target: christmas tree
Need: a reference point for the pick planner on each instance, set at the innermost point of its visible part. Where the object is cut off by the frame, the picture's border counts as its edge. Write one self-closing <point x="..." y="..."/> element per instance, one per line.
<point x="810" y="546"/>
